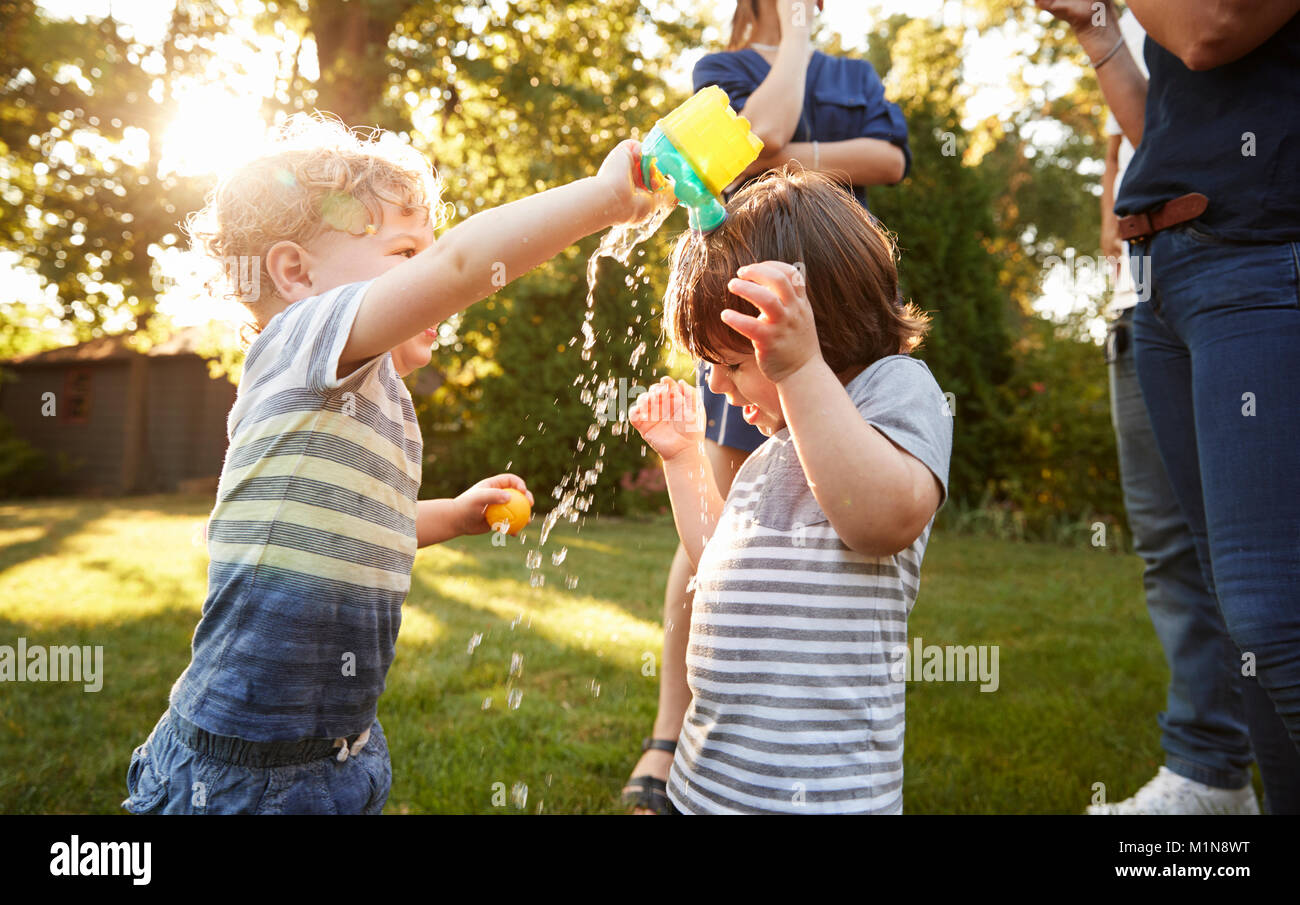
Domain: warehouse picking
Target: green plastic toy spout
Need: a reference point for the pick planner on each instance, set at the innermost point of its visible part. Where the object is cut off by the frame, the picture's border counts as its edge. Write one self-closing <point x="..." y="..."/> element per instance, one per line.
<point x="660" y="158"/>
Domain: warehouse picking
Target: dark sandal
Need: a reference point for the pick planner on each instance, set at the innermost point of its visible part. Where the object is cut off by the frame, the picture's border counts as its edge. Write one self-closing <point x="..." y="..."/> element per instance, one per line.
<point x="647" y="791"/>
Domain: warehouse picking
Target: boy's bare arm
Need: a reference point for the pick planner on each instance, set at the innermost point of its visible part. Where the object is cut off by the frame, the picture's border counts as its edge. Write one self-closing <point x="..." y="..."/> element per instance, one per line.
<point x="670" y="418"/>
<point x="490" y="249"/>
<point x="878" y="497"/>
<point x="435" y="522"/>
<point x="440" y="520"/>
<point x="695" y="501"/>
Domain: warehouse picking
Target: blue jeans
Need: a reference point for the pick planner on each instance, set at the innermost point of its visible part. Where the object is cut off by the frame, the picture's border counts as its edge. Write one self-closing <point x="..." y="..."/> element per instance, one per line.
<point x="1217" y="349"/>
<point x="167" y="776"/>
<point x="1203" y="727"/>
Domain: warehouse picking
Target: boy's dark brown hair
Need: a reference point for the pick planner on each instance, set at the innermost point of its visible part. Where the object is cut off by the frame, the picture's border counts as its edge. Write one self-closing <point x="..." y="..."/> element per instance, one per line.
<point x="808" y="220"/>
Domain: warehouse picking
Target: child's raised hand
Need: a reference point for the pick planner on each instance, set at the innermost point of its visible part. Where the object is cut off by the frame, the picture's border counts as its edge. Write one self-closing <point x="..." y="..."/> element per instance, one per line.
<point x="784" y="334"/>
<point x="670" y="417"/>
<point x="471" y="505"/>
<point x="621" y="173"/>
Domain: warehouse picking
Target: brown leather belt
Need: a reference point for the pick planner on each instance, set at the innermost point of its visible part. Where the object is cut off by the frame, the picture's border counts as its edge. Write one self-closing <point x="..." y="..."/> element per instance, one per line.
<point x="1136" y="227"/>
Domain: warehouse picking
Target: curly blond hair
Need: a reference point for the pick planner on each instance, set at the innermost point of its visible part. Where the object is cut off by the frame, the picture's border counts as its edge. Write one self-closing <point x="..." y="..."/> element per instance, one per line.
<point x="316" y="175"/>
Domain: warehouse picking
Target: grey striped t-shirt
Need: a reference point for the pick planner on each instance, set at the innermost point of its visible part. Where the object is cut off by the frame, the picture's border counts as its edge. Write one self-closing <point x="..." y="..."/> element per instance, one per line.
<point x="794" y="706"/>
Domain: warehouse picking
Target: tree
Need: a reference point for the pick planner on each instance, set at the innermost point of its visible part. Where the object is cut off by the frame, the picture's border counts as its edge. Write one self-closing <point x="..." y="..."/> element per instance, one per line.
<point x="533" y="99"/>
<point x="83" y="110"/>
<point x="975" y="222"/>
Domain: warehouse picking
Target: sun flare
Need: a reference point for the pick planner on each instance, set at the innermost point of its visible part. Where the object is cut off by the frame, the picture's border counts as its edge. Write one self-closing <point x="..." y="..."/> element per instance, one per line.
<point x="213" y="130"/>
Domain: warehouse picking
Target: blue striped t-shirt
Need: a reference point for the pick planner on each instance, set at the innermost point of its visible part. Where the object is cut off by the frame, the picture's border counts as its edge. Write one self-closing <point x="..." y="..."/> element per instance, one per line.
<point x="312" y="537"/>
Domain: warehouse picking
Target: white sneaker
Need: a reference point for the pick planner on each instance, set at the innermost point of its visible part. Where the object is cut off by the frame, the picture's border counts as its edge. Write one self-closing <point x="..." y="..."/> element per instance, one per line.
<point x="1170" y="793"/>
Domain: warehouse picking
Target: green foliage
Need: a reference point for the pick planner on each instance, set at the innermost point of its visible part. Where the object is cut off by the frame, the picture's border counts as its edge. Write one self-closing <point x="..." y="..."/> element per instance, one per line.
<point x="941" y="217"/>
<point x="509" y="99"/>
<point x="534" y="98"/>
<point x="1064" y="465"/>
<point x="1033" y="450"/>
<point x="89" y="215"/>
<point x="535" y="409"/>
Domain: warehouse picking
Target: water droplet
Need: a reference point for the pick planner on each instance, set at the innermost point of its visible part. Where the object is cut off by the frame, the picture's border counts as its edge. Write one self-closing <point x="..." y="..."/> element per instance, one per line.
<point x="636" y="355"/>
<point x="487" y="703"/>
<point x="558" y="556"/>
<point x="571" y="582"/>
<point x="516" y="664"/>
<point x="519" y="795"/>
<point x="534" y="559"/>
<point x="595" y="688"/>
<point x="537" y="580"/>
<point x="515" y="698"/>
<point x="475" y="640"/>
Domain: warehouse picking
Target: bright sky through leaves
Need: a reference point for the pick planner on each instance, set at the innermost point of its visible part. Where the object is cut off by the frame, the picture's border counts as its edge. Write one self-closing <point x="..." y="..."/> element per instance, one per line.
<point x="216" y="123"/>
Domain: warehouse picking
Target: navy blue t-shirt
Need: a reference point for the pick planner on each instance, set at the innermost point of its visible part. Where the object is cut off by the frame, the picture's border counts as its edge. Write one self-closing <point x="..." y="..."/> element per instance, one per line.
<point x="843" y="98"/>
<point x="1199" y="132"/>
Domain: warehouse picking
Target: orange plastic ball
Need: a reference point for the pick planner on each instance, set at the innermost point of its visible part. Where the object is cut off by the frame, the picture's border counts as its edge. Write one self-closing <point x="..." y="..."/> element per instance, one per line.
<point x="514" y="514"/>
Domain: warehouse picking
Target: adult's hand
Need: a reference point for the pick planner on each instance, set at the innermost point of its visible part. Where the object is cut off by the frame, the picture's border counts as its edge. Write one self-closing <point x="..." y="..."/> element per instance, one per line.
<point x="1096" y="25"/>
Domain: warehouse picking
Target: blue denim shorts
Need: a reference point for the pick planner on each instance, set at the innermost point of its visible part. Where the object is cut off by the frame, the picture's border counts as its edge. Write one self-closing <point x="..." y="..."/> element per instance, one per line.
<point x="167" y="776"/>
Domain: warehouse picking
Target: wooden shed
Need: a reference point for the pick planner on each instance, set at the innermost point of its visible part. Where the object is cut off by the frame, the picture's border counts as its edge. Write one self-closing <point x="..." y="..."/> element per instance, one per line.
<point x="126" y="422"/>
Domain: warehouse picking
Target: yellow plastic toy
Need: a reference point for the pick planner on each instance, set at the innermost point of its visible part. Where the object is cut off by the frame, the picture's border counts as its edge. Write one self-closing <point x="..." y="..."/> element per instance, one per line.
<point x="700" y="147"/>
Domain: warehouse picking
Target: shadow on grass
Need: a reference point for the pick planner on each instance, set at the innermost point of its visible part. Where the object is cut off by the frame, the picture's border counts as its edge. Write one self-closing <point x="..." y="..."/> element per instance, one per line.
<point x="63" y="518"/>
<point x="64" y="750"/>
<point x="54" y="532"/>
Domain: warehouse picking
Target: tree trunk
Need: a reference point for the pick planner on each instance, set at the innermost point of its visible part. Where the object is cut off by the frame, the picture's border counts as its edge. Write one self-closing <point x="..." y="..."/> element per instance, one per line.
<point x="352" y="50"/>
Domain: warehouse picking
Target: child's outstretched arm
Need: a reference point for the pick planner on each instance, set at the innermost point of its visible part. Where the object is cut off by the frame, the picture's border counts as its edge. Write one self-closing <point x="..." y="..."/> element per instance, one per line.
<point x="478" y="257"/>
<point x="878" y="497"/>
<point x="440" y="520"/>
<point x="670" y="418"/>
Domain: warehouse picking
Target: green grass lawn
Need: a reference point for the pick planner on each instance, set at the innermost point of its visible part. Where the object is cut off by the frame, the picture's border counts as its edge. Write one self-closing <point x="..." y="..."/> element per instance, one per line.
<point x="1081" y="674"/>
